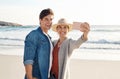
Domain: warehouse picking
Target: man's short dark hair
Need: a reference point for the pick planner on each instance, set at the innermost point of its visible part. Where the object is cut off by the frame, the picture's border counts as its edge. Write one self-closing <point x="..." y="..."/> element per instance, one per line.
<point x="45" y="12"/>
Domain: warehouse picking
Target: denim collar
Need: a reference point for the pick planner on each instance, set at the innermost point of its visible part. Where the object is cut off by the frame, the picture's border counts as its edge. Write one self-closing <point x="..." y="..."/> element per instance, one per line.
<point x="40" y="30"/>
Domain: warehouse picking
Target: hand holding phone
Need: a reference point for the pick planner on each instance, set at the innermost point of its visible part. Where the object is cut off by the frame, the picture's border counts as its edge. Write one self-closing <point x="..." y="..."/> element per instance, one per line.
<point x="82" y="26"/>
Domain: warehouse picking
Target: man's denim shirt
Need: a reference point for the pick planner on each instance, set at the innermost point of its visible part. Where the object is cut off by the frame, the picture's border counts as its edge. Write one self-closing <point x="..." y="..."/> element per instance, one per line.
<point x="37" y="53"/>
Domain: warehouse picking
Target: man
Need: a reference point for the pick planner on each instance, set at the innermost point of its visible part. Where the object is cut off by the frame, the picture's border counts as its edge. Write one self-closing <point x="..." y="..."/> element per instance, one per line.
<point x="38" y="48"/>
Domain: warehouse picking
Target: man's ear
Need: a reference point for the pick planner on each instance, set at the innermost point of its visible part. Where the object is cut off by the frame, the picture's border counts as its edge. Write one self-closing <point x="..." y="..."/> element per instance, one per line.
<point x="39" y="21"/>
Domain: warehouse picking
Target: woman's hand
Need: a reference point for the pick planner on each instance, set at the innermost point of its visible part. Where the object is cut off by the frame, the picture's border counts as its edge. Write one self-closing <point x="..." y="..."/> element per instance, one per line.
<point x="85" y="28"/>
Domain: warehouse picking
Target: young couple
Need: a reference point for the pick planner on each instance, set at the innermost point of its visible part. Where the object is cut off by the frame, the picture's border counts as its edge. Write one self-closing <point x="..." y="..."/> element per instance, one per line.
<point x="46" y="59"/>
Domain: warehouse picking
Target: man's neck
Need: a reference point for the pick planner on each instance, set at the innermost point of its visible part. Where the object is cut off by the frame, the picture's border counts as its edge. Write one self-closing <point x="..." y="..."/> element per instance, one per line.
<point x="44" y="30"/>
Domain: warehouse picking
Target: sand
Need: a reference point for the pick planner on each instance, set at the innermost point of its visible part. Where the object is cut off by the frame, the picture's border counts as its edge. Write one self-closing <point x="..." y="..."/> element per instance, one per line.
<point x="11" y="67"/>
<point x="95" y="69"/>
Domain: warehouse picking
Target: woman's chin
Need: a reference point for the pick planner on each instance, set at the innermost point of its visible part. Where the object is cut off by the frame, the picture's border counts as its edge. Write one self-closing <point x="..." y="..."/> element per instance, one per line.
<point x="63" y="36"/>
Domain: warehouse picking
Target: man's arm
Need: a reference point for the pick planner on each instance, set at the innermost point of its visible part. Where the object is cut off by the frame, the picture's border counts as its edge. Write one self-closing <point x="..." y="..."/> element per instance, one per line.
<point x="29" y="53"/>
<point x="28" y="69"/>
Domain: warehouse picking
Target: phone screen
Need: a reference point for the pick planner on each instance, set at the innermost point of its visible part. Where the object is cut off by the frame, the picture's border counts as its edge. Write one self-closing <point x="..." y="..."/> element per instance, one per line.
<point x="76" y="25"/>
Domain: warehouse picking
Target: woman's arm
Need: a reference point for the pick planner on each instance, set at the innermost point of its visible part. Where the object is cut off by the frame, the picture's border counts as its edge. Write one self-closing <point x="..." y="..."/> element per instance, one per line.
<point x="73" y="44"/>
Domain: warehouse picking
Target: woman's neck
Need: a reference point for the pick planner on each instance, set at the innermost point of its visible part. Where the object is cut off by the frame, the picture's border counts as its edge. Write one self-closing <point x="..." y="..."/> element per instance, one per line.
<point x="62" y="39"/>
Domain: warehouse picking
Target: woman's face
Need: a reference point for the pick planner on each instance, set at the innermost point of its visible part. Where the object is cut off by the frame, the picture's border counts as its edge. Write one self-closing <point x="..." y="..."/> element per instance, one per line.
<point x="62" y="30"/>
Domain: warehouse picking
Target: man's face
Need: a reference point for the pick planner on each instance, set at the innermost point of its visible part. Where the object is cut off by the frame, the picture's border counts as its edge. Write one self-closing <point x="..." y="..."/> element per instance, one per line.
<point x="46" y="22"/>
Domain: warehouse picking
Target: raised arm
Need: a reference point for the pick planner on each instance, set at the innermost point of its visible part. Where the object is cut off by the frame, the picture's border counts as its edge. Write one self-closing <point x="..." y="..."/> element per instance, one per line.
<point x="74" y="44"/>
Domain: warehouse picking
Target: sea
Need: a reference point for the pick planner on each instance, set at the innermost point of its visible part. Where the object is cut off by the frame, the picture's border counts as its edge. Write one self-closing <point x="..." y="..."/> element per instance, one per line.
<point x="103" y="41"/>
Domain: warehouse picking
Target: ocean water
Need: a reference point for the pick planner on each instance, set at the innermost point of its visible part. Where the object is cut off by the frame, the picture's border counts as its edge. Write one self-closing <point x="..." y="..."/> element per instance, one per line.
<point x="103" y="42"/>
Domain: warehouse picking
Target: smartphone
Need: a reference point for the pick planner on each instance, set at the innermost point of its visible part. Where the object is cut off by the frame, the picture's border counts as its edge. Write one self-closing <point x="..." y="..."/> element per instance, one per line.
<point x="77" y="26"/>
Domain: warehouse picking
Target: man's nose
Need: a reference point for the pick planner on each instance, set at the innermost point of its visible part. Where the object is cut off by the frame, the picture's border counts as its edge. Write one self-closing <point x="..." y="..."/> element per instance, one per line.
<point x="49" y="21"/>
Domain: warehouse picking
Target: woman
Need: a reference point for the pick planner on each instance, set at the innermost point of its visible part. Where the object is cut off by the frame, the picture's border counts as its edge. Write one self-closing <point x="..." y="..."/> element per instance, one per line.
<point x="63" y="48"/>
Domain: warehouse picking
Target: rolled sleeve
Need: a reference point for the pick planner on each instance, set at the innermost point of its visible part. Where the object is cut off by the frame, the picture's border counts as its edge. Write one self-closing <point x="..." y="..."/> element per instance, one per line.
<point x="28" y="62"/>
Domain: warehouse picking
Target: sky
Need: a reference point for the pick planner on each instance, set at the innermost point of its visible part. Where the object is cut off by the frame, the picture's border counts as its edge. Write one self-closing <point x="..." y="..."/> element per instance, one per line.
<point x="95" y="12"/>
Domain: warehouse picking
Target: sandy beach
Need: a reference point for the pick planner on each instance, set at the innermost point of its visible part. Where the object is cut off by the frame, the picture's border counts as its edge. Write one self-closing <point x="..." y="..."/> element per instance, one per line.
<point x="94" y="69"/>
<point x="11" y="67"/>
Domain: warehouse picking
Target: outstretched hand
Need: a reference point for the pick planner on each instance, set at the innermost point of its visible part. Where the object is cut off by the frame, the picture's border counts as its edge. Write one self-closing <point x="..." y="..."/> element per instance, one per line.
<point x="85" y="28"/>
